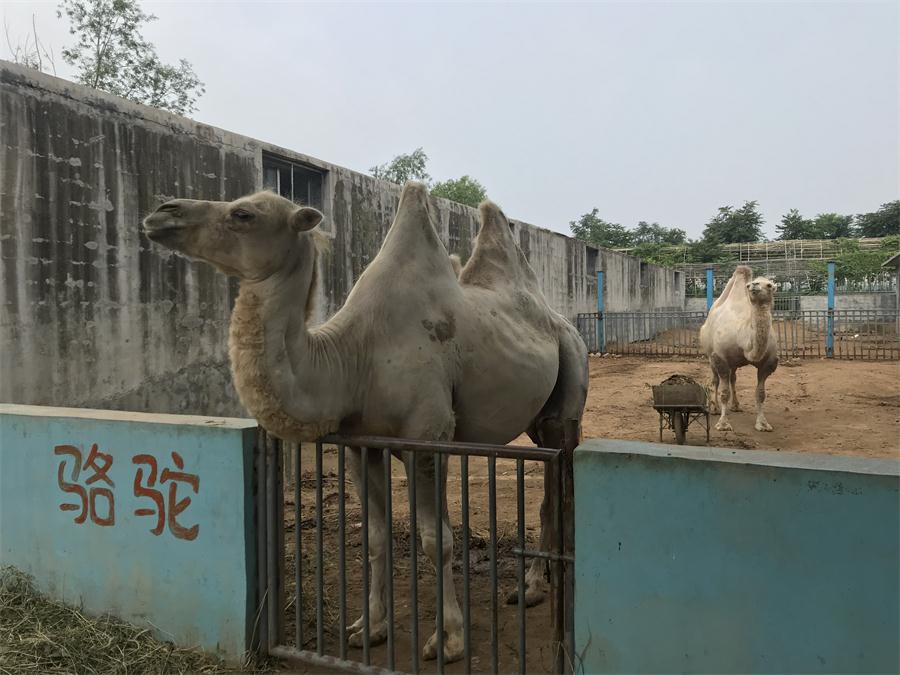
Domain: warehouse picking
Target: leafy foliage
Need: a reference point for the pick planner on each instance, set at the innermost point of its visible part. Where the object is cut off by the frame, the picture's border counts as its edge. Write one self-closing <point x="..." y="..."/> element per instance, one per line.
<point x="823" y="226"/>
<point x="732" y="225"/>
<point x="111" y="54"/>
<point x="881" y="223"/>
<point x="592" y="228"/>
<point x="465" y="190"/>
<point x="856" y="265"/>
<point x="647" y="233"/>
<point x="403" y="168"/>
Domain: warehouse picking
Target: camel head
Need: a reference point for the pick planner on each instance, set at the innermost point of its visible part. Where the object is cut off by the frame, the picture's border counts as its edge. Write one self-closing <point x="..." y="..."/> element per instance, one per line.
<point x="250" y="238"/>
<point x="761" y="290"/>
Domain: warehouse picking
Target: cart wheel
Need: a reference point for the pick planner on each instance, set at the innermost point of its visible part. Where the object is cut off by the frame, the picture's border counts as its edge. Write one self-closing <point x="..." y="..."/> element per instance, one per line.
<point x="678" y="424"/>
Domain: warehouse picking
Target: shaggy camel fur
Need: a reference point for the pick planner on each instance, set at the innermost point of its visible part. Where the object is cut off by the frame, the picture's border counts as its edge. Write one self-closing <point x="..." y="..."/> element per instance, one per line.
<point x="738" y="332"/>
<point x="419" y="350"/>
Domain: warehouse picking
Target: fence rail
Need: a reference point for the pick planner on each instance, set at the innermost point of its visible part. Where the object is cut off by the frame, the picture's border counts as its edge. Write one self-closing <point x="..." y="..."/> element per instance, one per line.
<point x="305" y="599"/>
<point x="863" y="334"/>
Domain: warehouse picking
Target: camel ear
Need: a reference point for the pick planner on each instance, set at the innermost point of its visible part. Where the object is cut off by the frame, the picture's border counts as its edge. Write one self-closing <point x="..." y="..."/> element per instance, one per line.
<point x="305" y="218"/>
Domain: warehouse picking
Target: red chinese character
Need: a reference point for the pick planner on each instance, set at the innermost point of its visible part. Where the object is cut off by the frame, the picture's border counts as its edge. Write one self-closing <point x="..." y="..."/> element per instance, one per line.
<point x="175" y="506"/>
<point x="155" y="495"/>
<point x="100" y="463"/>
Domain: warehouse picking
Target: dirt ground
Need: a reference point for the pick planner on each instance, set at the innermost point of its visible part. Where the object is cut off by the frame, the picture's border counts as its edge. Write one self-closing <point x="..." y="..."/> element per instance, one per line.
<point x="815" y="405"/>
<point x="820" y="406"/>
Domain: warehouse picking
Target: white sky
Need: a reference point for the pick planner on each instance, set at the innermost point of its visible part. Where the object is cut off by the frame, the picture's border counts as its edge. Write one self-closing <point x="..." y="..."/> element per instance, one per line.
<point x="648" y="111"/>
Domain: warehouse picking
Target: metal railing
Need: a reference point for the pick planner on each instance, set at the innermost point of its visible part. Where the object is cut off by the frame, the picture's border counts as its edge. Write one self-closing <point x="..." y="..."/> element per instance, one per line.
<point x="863" y="334"/>
<point x="319" y="559"/>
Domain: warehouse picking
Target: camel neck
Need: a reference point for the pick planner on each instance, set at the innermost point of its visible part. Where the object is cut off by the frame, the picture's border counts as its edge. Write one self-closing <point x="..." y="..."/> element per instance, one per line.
<point x="760" y="323"/>
<point x="283" y="373"/>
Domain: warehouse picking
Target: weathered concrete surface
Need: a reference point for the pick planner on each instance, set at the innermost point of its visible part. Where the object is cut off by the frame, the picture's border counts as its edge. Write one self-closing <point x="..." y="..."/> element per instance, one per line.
<point x="91" y="314"/>
<point x="97" y="507"/>
<point x="735" y="561"/>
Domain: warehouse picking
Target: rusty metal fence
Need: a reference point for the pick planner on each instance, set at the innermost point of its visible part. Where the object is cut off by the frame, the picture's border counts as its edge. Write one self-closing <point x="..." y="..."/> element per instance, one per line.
<point x="862" y="334"/>
<point x="312" y="571"/>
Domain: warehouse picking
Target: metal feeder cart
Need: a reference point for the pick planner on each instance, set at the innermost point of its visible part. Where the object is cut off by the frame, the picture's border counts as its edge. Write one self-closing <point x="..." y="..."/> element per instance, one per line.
<point x="680" y="401"/>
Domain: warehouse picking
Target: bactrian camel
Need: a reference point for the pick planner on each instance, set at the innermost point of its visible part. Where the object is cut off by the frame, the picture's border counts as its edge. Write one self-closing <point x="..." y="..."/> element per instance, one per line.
<point x="738" y="332"/>
<point x="419" y="350"/>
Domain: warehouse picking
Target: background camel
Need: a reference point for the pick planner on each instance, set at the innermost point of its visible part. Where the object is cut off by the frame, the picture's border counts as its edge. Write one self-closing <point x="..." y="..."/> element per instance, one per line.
<point x="415" y="352"/>
<point x="738" y="332"/>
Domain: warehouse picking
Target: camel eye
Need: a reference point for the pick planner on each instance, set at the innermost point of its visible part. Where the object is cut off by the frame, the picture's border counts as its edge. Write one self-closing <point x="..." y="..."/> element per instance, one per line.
<point x="241" y="215"/>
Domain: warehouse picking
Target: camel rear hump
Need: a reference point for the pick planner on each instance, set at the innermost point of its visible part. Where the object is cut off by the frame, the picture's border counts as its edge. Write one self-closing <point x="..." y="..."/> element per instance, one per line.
<point x="497" y="258"/>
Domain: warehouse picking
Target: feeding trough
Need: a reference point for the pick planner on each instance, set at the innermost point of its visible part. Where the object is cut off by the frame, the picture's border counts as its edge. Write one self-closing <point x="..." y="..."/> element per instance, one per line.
<point x="679" y="400"/>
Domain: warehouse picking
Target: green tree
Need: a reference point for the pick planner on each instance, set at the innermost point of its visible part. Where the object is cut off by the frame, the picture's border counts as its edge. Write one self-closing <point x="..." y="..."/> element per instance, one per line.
<point x="732" y="225"/>
<point x="465" y="190"/>
<point x="654" y="233"/>
<point x="794" y="226"/>
<point x="111" y="54"/>
<point x="592" y="228"/>
<point x="881" y="223"/>
<point x="403" y="168"/>
<point x="832" y="226"/>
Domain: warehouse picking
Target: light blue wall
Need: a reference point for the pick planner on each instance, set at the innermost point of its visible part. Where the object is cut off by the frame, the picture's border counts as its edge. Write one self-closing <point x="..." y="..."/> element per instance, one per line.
<point x="713" y="560"/>
<point x="194" y="592"/>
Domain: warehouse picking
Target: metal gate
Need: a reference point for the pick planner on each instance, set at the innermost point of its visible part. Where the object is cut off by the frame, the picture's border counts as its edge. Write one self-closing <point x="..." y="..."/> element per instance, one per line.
<point x="306" y="564"/>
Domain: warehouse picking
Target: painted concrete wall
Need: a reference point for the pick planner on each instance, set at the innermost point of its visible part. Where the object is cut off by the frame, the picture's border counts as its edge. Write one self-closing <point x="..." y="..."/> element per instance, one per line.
<point x="92" y="314"/>
<point x="715" y="560"/>
<point x="147" y="517"/>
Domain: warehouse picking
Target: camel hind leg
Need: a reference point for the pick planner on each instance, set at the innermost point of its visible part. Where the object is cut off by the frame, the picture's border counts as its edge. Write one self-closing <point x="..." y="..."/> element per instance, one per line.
<point x="566" y="402"/>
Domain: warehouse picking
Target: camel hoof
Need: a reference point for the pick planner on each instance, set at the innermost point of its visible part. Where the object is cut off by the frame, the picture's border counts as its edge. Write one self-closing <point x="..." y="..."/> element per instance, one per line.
<point x="736" y="408"/>
<point x="377" y="636"/>
<point x="533" y="596"/>
<point x="724" y="426"/>
<point x="763" y="426"/>
<point x="453" y="647"/>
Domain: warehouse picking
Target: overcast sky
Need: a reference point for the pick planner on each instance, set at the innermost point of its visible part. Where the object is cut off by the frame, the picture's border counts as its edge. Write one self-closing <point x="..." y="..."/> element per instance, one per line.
<point x="648" y="111"/>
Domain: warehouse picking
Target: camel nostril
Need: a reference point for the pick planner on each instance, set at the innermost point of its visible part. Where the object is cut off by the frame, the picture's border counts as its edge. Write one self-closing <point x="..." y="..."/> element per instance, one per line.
<point x="174" y="209"/>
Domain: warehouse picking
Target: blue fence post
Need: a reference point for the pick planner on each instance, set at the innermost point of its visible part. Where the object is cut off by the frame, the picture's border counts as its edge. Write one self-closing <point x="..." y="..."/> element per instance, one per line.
<point x="709" y="288"/>
<point x="829" y="335"/>
<point x="601" y="335"/>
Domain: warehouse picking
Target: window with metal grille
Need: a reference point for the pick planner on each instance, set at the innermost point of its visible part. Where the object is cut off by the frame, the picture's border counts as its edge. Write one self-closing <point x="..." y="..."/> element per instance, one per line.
<point x="301" y="183"/>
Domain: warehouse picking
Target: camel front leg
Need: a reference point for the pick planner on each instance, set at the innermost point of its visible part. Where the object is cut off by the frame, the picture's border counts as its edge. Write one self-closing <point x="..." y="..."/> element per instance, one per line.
<point x="724" y="374"/>
<point x="732" y="382"/>
<point x="762" y="375"/>
<point x="378" y="627"/>
<point x="714" y="399"/>
<point x="427" y="523"/>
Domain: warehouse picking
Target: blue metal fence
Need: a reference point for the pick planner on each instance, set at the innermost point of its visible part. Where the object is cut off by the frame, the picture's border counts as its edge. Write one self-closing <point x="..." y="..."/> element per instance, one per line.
<point x="863" y="334"/>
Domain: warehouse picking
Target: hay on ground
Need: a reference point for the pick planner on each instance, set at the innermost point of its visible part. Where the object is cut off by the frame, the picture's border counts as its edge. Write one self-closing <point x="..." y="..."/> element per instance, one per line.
<point x="40" y="635"/>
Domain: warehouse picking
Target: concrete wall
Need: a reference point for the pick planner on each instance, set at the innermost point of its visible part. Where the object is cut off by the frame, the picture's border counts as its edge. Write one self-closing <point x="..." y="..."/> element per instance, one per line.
<point x="715" y="560"/>
<point x="886" y="300"/>
<point x="91" y="314"/>
<point x="114" y="543"/>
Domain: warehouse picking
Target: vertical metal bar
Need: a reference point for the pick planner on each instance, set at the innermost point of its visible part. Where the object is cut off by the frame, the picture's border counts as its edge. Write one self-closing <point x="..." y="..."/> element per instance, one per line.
<point x="520" y="507"/>
<point x="414" y="559"/>
<point x="709" y="288"/>
<point x="492" y="516"/>
<point x="559" y="620"/>
<point x="364" y="451"/>
<point x="601" y="308"/>
<point x="298" y="557"/>
<point x="262" y="550"/>
<point x="439" y="556"/>
<point x="829" y="337"/>
<point x="342" y="553"/>
<point x="271" y="542"/>
<point x="467" y="633"/>
<point x="320" y="557"/>
<point x="389" y="553"/>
